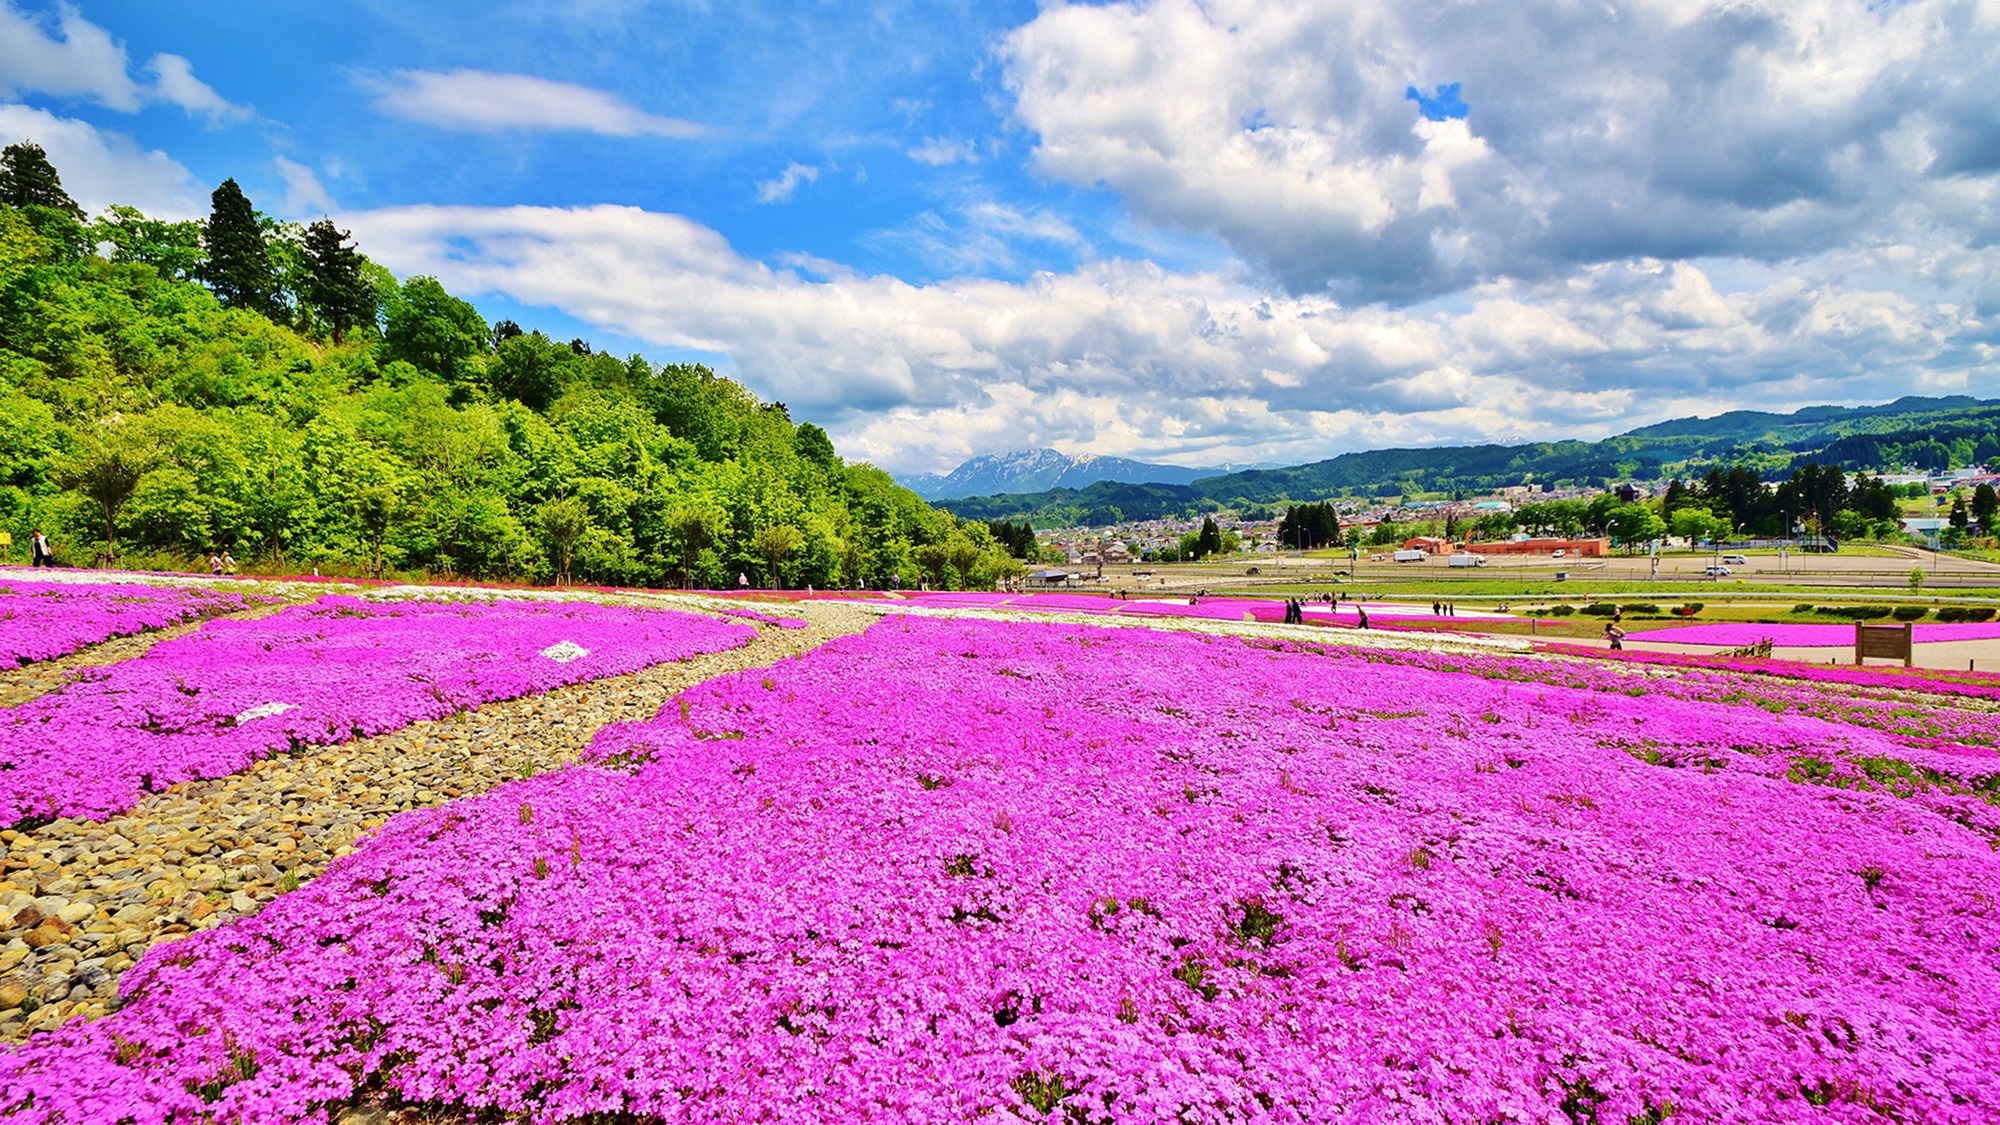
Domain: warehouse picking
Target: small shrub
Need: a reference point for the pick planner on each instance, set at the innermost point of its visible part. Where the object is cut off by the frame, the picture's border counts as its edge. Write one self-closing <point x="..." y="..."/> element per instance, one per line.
<point x="1560" y="611"/>
<point x="1965" y="613"/>
<point x="1908" y="612"/>
<point x="1600" y="609"/>
<point x="1803" y="607"/>
<point x="1858" y="612"/>
<point x="1642" y="609"/>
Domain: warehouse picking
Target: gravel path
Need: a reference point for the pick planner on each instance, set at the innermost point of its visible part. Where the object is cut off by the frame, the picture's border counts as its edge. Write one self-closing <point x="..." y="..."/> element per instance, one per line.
<point x="81" y="900"/>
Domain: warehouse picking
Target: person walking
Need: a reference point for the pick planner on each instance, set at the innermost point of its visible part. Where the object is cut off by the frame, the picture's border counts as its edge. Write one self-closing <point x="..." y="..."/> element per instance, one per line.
<point x="228" y="563"/>
<point x="38" y="549"/>
<point x="1615" y="635"/>
<point x="215" y="564"/>
<point x="1364" y="618"/>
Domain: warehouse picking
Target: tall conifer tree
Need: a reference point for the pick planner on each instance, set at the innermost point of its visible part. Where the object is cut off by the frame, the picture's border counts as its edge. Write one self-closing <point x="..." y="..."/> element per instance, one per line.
<point x="27" y="179"/>
<point x="239" y="263"/>
<point x="335" y="287"/>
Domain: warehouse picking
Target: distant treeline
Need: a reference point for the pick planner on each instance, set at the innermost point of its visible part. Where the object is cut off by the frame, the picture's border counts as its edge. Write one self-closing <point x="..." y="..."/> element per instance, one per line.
<point x="1725" y="503"/>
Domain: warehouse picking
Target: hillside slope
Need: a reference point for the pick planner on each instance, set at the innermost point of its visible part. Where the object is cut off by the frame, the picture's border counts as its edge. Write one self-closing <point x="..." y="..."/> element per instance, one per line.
<point x="146" y="414"/>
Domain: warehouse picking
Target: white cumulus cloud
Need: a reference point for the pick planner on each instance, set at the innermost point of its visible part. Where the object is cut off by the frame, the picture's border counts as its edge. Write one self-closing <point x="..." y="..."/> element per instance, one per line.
<point x="70" y="57"/>
<point x="1312" y="136"/>
<point x="99" y="168"/>
<point x="1128" y="358"/>
<point x="490" y="102"/>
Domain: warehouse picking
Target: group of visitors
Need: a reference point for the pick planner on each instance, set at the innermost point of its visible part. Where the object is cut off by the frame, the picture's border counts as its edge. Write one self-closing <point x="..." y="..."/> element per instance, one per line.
<point x="220" y="562"/>
<point x="1444" y="609"/>
<point x="1295" y="609"/>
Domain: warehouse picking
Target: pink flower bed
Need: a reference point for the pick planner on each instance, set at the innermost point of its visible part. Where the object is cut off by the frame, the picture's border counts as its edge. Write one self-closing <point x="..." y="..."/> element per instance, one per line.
<point x="44" y="620"/>
<point x="210" y="703"/>
<point x="949" y="870"/>
<point x="1736" y="634"/>
<point x="1980" y="685"/>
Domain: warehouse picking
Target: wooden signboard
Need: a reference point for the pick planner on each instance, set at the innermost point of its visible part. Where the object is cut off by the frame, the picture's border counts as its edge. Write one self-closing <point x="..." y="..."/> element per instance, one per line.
<point x="1890" y="642"/>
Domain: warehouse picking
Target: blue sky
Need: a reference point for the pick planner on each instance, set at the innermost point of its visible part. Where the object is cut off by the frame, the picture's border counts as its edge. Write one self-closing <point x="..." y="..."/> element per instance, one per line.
<point x="1180" y="231"/>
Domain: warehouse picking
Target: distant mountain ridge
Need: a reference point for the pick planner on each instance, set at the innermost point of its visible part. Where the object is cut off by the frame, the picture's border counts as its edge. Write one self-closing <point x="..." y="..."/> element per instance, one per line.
<point x="1926" y="432"/>
<point x="1038" y="470"/>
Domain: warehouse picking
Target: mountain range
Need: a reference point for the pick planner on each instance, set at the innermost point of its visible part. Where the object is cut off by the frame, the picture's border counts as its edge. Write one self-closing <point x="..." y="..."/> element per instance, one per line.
<point x="1928" y="433"/>
<point x="1038" y="470"/>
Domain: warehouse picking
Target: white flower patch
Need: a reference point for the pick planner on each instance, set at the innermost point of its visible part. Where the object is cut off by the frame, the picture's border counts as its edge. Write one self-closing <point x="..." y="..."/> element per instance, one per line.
<point x="264" y="711"/>
<point x="562" y="652"/>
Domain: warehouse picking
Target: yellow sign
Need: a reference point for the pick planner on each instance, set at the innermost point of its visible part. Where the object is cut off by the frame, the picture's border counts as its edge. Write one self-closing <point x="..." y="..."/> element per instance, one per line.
<point x="6" y="539"/>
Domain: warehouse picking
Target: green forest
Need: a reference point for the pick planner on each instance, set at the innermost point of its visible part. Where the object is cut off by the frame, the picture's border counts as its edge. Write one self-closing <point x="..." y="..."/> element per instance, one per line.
<point x="171" y="390"/>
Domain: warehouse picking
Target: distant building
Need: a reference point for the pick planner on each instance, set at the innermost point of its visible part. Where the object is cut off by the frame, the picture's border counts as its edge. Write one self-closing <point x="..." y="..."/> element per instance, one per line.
<point x="1926" y="529"/>
<point x="1581" y="548"/>
<point x="1427" y="543"/>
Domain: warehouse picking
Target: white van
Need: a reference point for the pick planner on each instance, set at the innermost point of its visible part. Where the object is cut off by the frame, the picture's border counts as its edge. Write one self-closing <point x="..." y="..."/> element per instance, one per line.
<point x="1468" y="560"/>
<point x="1410" y="556"/>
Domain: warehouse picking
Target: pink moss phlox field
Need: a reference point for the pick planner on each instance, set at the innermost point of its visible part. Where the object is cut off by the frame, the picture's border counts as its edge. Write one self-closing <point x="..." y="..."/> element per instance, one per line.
<point x="1738" y="633"/>
<point x="947" y="870"/>
<point x="1977" y="685"/>
<point x="212" y="702"/>
<point x="44" y="620"/>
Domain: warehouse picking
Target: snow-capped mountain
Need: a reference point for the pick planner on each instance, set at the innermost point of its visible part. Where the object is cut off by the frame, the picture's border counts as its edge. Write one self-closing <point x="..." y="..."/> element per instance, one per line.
<point x="1034" y="470"/>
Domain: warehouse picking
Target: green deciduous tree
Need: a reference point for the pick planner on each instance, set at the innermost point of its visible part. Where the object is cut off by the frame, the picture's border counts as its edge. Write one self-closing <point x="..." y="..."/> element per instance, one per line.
<point x="436" y="332"/>
<point x="1986" y="508"/>
<point x="1634" y="524"/>
<point x="692" y="529"/>
<point x="1697" y="523"/>
<point x="773" y="543"/>
<point x="564" y="521"/>
<point x="815" y="447"/>
<point x="107" y="470"/>
<point x="172" y="249"/>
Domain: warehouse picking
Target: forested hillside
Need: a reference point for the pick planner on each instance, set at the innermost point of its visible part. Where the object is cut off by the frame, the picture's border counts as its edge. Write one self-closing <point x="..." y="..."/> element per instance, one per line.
<point x="171" y="389"/>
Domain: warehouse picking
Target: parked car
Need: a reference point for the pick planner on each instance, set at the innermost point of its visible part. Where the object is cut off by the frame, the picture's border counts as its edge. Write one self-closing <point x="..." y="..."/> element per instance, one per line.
<point x="1736" y="560"/>
<point x="1559" y="553"/>
<point x="1714" y="570"/>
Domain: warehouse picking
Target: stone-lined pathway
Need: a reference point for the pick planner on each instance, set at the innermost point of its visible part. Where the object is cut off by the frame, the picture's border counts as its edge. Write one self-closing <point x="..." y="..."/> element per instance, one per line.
<point x="81" y="900"/>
